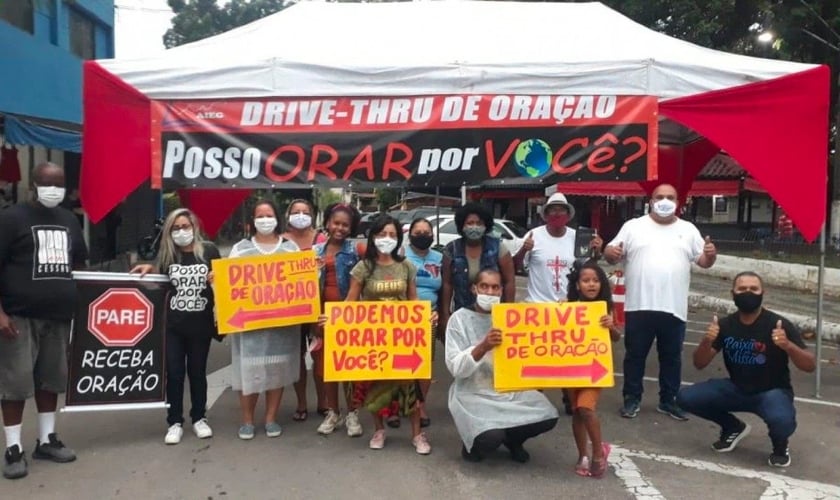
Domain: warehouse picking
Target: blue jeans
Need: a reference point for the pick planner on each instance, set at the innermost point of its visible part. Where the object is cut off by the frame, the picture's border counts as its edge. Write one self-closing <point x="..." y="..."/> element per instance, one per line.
<point x="715" y="399"/>
<point x="641" y="328"/>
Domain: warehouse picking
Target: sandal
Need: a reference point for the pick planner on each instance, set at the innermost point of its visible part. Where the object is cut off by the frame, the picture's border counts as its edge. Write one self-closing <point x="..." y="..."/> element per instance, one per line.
<point x="599" y="467"/>
<point x="582" y="467"/>
<point x="300" y="415"/>
<point x="393" y="421"/>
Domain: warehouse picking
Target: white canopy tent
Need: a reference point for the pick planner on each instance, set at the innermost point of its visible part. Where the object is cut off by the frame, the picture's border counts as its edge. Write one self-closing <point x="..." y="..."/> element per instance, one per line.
<point x="769" y="115"/>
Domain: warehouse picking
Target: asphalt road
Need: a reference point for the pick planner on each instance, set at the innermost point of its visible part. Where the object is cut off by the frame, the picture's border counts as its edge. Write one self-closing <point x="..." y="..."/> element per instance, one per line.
<point x="122" y="455"/>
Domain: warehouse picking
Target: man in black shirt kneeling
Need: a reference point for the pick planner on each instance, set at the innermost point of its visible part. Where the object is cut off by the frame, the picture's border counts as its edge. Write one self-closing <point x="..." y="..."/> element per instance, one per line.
<point x="756" y="344"/>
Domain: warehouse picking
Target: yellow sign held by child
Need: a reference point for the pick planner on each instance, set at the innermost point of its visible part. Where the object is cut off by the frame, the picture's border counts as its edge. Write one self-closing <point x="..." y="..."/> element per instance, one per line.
<point x="552" y="346"/>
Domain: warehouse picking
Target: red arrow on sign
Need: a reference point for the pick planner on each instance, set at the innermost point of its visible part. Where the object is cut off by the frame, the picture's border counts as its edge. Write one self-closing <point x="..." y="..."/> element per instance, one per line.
<point x="242" y="316"/>
<point x="407" y="361"/>
<point x="594" y="371"/>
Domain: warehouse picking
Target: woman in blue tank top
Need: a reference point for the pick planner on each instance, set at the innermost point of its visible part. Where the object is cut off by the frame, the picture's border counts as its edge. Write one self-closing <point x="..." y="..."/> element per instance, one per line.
<point x="428" y="263"/>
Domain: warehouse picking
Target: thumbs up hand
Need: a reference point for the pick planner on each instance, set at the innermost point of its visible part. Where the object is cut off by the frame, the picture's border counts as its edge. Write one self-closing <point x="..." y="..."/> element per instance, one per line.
<point x="528" y="244"/>
<point x="709" y="248"/>
<point x="780" y="337"/>
<point x="713" y="329"/>
<point x="614" y="253"/>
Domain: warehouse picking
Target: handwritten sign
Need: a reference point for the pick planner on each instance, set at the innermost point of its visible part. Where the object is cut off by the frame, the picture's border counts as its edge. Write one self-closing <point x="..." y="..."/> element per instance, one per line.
<point x="378" y="341"/>
<point x="552" y="345"/>
<point x="266" y="291"/>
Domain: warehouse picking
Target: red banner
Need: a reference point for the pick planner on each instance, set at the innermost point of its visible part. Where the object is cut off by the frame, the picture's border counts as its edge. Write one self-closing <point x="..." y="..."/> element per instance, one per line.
<point x="421" y="140"/>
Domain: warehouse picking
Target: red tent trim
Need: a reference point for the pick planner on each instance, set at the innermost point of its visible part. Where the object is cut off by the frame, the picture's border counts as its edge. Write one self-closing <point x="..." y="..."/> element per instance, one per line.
<point x="213" y="206"/>
<point x="776" y="130"/>
<point x="115" y="112"/>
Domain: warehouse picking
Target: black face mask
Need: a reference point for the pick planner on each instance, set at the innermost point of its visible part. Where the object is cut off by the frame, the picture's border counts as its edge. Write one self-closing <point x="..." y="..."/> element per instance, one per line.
<point x="747" y="302"/>
<point x="421" y="241"/>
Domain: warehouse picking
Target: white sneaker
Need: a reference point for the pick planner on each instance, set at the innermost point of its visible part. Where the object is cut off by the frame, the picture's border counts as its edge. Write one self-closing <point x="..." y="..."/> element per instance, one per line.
<point x="331" y="421"/>
<point x="354" y="428"/>
<point x="174" y="434"/>
<point x="202" y="429"/>
<point x="421" y="444"/>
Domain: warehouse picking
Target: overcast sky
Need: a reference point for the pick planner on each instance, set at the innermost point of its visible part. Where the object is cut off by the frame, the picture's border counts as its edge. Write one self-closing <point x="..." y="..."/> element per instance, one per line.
<point x="139" y="27"/>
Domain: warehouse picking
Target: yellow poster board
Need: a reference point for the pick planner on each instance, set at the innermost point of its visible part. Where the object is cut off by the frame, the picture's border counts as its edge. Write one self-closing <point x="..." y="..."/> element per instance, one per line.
<point x="266" y="291"/>
<point x="552" y="346"/>
<point x="378" y="341"/>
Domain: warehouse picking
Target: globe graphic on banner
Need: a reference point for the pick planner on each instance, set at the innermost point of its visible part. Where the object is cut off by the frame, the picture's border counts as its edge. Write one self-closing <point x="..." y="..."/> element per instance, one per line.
<point x="533" y="158"/>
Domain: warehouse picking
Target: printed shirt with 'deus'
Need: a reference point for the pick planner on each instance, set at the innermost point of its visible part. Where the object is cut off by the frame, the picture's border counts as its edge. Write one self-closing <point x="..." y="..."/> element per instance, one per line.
<point x="39" y="248"/>
<point x="549" y="264"/>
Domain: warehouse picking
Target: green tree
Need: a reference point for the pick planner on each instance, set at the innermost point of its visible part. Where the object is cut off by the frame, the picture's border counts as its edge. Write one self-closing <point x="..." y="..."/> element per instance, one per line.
<point x="386" y="198"/>
<point x="325" y="197"/>
<point x="733" y="25"/>
<point x="198" y="19"/>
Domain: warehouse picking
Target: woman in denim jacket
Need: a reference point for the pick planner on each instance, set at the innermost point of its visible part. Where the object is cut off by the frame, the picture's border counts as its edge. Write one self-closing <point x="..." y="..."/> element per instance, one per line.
<point x="336" y="257"/>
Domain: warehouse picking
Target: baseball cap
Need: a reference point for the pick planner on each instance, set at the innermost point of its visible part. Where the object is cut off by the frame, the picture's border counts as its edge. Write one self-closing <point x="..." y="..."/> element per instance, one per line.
<point x="560" y="199"/>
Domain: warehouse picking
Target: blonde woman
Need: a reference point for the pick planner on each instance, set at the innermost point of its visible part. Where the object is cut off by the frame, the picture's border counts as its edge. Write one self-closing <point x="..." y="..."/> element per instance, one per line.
<point x="266" y="360"/>
<point x="185" y="257"/>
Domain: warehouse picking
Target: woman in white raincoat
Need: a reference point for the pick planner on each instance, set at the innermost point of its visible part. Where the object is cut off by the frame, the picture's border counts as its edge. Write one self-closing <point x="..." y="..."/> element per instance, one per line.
<point x="266" y="360"/>
<point x="485" y="418"/>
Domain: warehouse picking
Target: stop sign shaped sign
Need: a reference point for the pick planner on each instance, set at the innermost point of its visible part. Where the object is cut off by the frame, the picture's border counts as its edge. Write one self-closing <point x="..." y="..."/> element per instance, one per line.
<point x="120" y="317"/>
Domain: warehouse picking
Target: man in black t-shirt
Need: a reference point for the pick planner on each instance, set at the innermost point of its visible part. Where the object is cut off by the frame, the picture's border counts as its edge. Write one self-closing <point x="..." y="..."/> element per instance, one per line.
<point x="40" y="245"/>
<point x="757" y="345"/>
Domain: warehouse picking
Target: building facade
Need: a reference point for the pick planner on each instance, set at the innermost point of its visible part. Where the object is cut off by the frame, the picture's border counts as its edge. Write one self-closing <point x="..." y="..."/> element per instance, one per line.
<point x="44" y="43"/>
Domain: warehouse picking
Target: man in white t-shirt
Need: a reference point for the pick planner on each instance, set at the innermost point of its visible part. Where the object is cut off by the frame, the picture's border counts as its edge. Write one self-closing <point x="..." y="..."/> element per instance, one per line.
<point x="549" y="252"/>
<point x="658" y="250"/>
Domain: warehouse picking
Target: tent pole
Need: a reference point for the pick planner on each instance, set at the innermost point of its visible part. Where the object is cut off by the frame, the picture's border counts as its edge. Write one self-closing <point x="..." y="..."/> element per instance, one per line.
<point x="437" y="214"/>
<point x="820" y="286"/>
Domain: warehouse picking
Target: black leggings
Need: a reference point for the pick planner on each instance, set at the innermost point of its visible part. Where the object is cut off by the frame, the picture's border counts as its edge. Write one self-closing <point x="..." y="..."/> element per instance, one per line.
<point x="488" y="441"/>
<point x="186" y="355"/>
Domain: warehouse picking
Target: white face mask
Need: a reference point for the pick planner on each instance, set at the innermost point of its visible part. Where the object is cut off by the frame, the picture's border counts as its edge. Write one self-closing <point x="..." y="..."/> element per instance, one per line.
<point x="300" y="221"/>
<point x="182" y="237"/>
<point x="50" y="196"/>
<point x="265" y="225"/>
<point x="486" y="302"/>
<point x="664" y="207"/>
<point x="385" y="245"/>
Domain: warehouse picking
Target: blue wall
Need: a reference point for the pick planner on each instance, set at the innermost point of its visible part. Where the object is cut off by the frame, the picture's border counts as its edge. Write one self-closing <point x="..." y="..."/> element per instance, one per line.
<point x="39" y="75"/>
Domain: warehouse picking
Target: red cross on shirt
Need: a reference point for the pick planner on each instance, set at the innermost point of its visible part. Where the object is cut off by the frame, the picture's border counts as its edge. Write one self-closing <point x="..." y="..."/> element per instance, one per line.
<point x="556" y="265"/>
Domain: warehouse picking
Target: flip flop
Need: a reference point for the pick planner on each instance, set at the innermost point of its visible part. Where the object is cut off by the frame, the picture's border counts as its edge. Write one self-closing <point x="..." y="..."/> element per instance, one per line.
<point x="300" y="415"/>
<point x="582" y="467"/>
<point x="599" y="467"/>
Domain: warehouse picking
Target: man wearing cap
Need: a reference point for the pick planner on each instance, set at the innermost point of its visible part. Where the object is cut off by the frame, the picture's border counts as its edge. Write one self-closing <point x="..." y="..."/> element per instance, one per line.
<point x="549" y="252"/>
<point x="657" y="250"/>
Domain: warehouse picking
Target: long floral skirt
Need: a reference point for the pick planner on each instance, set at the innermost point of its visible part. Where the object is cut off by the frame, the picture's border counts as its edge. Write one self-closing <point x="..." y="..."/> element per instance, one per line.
<point x="376" y="396"/>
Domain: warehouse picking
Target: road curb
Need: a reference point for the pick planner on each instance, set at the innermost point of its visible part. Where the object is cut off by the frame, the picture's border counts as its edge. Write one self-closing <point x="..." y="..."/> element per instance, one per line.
<point x="831" y="331"/>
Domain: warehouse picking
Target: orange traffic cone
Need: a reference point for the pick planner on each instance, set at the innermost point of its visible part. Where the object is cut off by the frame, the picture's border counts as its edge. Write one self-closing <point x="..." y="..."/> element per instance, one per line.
<point x="618" y="297"/>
